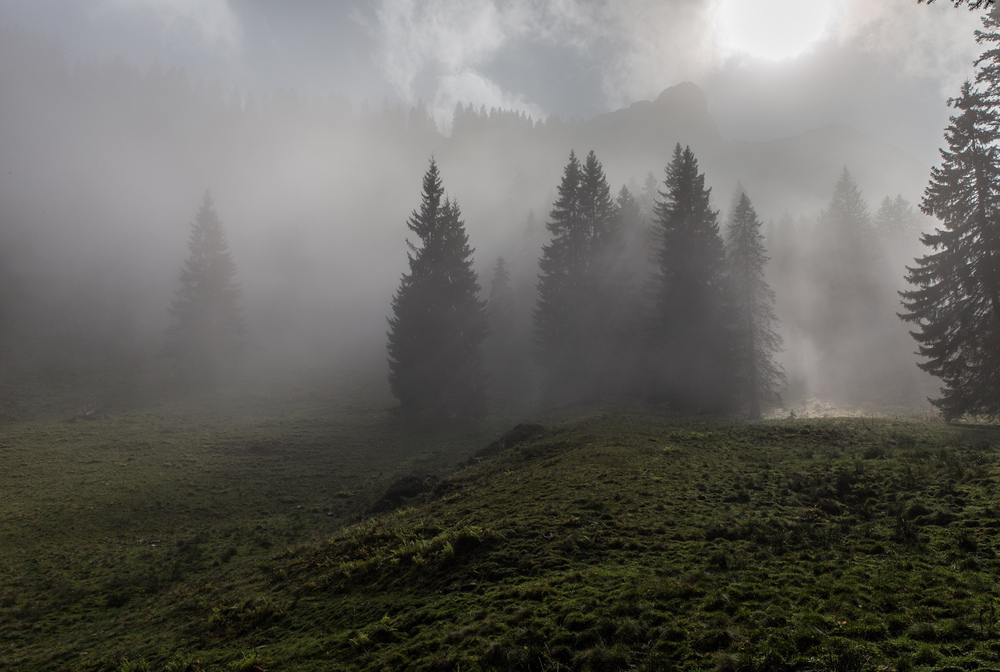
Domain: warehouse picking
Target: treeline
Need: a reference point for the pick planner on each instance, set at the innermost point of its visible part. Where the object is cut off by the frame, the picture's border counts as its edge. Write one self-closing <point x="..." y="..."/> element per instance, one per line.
<point x="690" y="320"/>
<point x="103" y="165"/>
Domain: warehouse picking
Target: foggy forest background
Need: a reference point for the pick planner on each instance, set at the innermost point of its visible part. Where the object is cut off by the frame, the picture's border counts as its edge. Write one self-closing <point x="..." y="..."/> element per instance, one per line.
<point x="104" y="167"/>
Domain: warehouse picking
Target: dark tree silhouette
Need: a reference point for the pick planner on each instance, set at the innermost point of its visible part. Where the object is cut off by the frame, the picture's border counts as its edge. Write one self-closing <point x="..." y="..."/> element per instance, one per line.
<point x="438" y="321"/>
<point x="955" y="303"/>
<point x="205" y="340"/>
<point x="690" y="326"/>
<point x="571" y="319"/>
<point x="760" y="378"/>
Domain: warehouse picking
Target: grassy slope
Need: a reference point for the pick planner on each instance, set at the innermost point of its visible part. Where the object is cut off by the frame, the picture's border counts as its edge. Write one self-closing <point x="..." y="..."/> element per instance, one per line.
<point x="173" y="539"/>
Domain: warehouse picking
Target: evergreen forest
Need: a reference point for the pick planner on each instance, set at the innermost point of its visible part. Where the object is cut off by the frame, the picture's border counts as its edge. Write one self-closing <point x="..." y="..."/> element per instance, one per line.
<point x="314" y="242"/>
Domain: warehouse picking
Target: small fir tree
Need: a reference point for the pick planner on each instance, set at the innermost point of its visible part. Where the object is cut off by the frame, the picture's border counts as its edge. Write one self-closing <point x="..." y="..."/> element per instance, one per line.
<point x="632" y="225"/>
<point x="627" y="359"/>
<point x="690" y="324"/>
<point x="438" y="321"/>
<point x="759" y="377"/>
<point x="895" y="221"/>
<point x="955" y="301"/>
<point x="502" y="358"/>
<point x="848" y="255"/>
<point x="501" y="303"/>
<point x="647" y="197"/>
<point x="846" y="218"/>
<point x="205" y="340"/>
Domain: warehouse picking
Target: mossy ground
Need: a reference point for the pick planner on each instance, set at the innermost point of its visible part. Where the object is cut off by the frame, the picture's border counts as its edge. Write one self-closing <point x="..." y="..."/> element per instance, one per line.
<point x="217" y="535"/>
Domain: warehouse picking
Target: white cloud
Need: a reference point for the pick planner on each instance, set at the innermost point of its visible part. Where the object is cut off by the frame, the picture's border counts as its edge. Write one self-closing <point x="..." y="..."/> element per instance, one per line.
<point x="917" y="41"/>
<point x="656" y="44"/>
<point x="203" y="23"/>
<point x="444" y="41"/>
<point x="439" y="49"/>
<point x="435" y="35"/>
<point x="469" y="85"/>
<point x="442" y="50"/>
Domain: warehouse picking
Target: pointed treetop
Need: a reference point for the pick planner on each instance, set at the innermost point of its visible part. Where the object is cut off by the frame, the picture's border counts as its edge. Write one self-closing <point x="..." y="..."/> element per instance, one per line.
<point x="848" y="205"/>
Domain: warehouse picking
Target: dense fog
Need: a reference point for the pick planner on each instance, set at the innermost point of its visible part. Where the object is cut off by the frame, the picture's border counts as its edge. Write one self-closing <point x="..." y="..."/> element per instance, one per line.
<point x="105" y="163"/>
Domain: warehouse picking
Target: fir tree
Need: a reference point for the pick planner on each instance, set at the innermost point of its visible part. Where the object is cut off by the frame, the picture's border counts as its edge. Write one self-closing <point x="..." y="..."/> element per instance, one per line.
<point x="626" y="358"/>
<point x="759" y="377"/>
<point x="844" y="264"/>
<point x="560" y="280"/>
<point x="501" y="303"/>
<point x="849" y="253"/>
<point x="571" y="316"/>
<point x="650" y="190"/>
<point x="690" y="323"/>
<point x="850" y="318"/>
<point x="438" y="321"/>
<point x="895" y="220"/>
<point x="955" y="302"/>
<point x="501" y="347"/>
<point x="846" y="218"/>
<point x="631" y="223"/>
<point x="205" y="340"/>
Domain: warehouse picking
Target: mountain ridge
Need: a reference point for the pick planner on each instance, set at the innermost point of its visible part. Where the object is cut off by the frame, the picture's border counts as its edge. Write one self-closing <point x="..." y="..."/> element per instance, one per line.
<point x="794" y="172"/>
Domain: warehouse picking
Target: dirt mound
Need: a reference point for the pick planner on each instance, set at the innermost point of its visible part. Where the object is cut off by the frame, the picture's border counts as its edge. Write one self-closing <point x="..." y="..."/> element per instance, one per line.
<point x="520" y="434"/>
<point x="418" y="483"/>
<point x="402" y="488"/>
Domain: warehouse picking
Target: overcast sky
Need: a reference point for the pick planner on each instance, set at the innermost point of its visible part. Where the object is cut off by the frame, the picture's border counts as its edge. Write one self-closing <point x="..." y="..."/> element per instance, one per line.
<point x="770" y="67"/>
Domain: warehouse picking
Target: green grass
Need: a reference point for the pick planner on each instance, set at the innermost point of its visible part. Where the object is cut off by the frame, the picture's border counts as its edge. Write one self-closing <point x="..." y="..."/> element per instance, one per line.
<point x="215" y="535"/>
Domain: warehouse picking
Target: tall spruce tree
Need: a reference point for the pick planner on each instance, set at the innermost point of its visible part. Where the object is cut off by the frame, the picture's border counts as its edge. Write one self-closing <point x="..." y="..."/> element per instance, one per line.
<point x="955" y="303"/>
<point x="691" y="323"/>
<point x="849" y="320"/>
<point x="573" y="290"/>
<point x="206" y="338"/>
<point x="759" y="378"/>
<point x="438" y="321"/>
<point x="627" y="359"/>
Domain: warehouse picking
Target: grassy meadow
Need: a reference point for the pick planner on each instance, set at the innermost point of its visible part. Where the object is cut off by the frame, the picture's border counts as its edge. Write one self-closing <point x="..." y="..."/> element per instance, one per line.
<point x="233" y="532"/>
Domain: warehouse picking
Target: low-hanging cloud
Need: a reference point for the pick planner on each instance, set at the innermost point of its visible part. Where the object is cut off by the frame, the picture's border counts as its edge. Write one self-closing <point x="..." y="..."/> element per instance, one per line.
<point x="201" y="24"/>
<point x="931" y="42"/>
<point x="440" y="51"/>
<point x="435" y="50"/>
<point x="443" y="51"/>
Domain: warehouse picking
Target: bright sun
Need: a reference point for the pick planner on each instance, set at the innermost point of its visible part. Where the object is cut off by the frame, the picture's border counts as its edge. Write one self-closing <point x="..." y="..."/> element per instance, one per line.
<point x="772" y="29"/>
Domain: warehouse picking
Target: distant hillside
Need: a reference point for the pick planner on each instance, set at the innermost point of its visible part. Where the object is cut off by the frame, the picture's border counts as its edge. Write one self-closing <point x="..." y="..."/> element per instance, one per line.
<point x="796" y="173"/>
<point x="508" y="166"/>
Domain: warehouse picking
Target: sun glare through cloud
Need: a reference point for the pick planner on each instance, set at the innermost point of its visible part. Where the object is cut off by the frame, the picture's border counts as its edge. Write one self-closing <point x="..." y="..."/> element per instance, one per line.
<point x="772" y="29"/>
